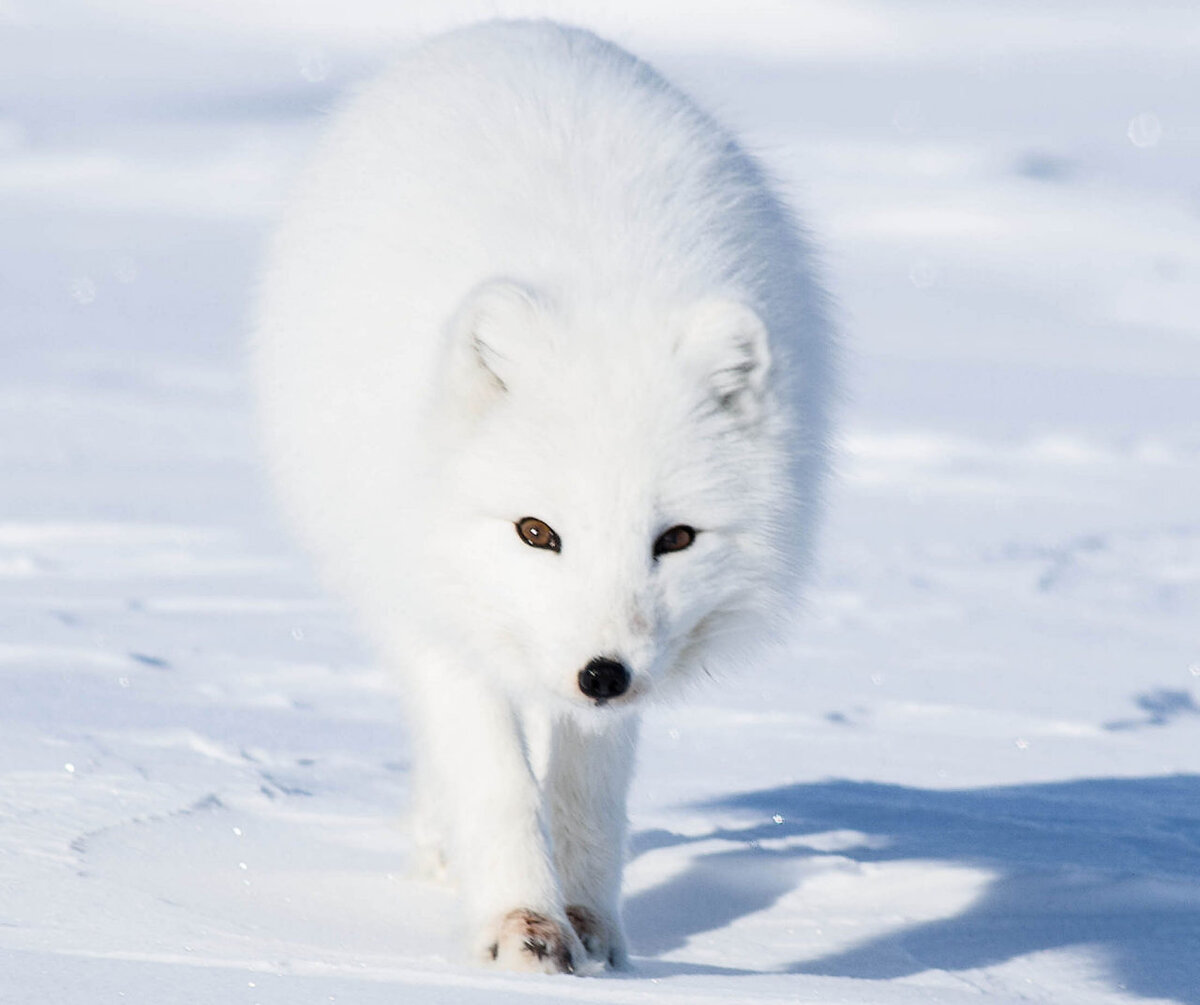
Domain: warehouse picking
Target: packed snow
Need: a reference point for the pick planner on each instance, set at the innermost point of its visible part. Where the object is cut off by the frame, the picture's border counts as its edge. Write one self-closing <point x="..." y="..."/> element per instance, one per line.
<point x="972" y="774"/>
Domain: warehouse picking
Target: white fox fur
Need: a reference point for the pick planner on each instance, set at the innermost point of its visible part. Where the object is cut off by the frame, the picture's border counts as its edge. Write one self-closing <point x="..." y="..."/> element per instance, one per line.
<point x="526" y="277"/>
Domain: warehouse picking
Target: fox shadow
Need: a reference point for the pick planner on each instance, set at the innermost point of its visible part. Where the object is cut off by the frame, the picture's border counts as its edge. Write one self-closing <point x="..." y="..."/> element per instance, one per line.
<point x="1112" y="864"/>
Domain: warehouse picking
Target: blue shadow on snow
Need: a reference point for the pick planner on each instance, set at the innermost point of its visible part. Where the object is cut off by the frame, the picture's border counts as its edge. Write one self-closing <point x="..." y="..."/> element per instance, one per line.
<point x="1111" y="864"/>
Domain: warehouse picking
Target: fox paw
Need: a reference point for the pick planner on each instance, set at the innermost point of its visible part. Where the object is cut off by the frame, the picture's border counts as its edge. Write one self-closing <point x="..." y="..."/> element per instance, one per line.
<point x="526" y="940"/>
<point x="602" y="940"/>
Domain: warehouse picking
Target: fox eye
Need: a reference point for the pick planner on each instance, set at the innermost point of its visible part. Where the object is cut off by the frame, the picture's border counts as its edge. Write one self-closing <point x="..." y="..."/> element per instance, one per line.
<point x="675" y="539"/>
<point x="538" y="534"/>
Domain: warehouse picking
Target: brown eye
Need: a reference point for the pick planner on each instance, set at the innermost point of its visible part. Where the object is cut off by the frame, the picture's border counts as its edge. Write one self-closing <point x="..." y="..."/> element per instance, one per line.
<point x="675" y="539"/>
<point x="538" y="534"/>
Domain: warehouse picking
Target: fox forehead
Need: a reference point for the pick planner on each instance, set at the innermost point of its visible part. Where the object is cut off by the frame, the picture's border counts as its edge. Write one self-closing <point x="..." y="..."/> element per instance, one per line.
<point x="605" y="473"/>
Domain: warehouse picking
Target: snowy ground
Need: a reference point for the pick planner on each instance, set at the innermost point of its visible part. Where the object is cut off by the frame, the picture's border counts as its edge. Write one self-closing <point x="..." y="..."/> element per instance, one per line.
<point x="975" y="772"/>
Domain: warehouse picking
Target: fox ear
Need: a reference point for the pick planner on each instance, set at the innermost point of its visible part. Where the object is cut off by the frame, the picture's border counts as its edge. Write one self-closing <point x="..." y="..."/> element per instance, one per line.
<point x="726" y="345"/>
<point x="488" y="337"/>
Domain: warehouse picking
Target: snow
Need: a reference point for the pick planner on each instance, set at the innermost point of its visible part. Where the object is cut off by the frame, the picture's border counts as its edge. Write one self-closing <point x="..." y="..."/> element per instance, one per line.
<point x="973" y="774"/>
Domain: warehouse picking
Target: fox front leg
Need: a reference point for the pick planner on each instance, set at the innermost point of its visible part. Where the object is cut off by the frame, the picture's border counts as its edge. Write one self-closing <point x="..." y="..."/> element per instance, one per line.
<point x="587" y="784"/>
<point x="498" y="844"/>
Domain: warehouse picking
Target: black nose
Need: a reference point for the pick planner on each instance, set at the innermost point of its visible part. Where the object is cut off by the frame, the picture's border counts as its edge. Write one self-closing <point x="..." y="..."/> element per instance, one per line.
<point x="603" y="679"/>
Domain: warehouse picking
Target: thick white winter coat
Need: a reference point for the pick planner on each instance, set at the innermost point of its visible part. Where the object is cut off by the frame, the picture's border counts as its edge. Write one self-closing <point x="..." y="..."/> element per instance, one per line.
<point x="525" y="278"/>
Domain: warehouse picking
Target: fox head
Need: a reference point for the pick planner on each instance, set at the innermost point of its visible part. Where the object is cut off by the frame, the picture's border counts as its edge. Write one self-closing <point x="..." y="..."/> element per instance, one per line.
<point x="610" y="508"/>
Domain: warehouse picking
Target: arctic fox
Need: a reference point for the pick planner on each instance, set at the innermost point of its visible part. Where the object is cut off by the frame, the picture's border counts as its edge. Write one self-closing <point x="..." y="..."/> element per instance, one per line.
<point x="544" y="378"/>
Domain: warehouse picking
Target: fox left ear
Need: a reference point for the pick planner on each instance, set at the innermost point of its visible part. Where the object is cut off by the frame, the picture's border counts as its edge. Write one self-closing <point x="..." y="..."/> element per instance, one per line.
<point x="726" y="342"/>
<point x="494" y="336"/>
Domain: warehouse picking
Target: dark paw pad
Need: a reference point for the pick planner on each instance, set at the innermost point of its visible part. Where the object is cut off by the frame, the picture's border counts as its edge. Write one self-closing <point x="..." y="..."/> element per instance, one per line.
<point x="531" y="941"/>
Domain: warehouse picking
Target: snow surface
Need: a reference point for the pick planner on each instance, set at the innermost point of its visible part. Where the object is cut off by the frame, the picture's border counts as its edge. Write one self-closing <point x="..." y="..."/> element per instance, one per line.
<point x="973" y="775"/>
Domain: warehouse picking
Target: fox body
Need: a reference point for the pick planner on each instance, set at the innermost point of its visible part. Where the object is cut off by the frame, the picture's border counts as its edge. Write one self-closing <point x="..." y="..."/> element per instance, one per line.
<point x="543" y="376"/>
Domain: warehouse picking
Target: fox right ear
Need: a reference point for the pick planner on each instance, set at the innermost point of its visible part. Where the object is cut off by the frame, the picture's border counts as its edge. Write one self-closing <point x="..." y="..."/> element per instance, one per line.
<point x="726" y="345"/>
<point x="488" y="339"/>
